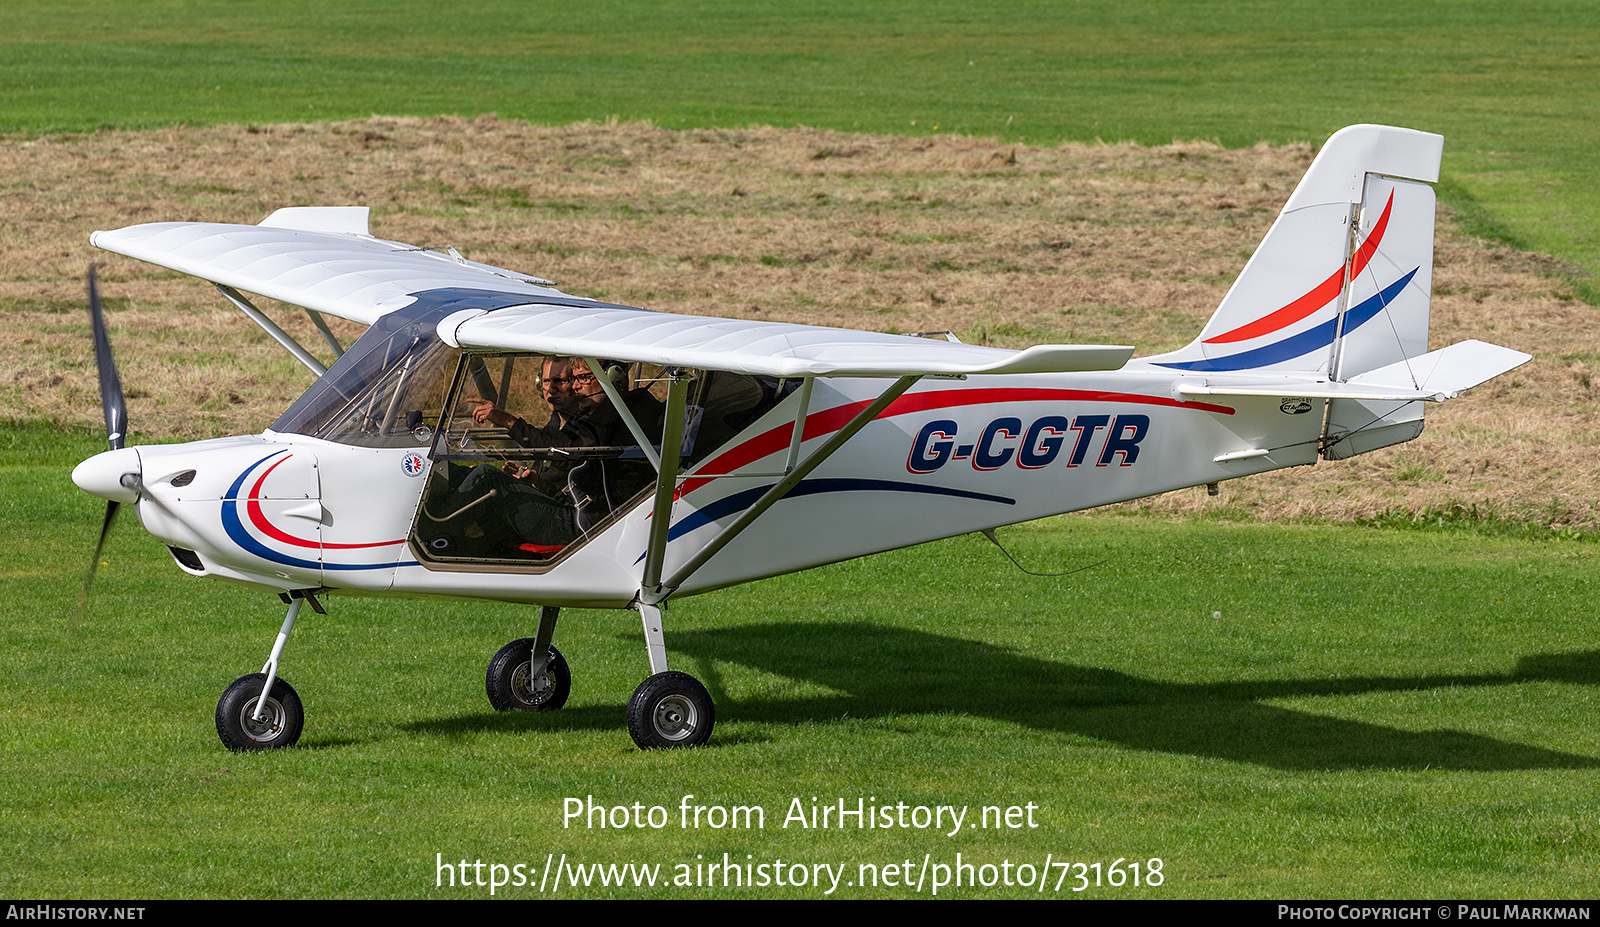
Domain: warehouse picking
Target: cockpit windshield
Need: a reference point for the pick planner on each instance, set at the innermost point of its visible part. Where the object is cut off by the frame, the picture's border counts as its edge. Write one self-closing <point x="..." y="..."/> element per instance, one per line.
<point x="387" y="391"/>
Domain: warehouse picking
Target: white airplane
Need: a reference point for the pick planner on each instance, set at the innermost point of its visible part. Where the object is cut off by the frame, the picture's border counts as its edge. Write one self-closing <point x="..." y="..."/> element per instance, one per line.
<point x="490" y="436"/>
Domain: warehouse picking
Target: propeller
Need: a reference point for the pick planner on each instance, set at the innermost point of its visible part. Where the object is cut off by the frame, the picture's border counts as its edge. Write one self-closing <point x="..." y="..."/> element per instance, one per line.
<point x="116" y="414"/>
<point x="116" y="409"/>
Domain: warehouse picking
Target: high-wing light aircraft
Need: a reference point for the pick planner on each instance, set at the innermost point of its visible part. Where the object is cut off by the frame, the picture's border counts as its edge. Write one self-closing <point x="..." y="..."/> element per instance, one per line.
<point x="490" y="436"/>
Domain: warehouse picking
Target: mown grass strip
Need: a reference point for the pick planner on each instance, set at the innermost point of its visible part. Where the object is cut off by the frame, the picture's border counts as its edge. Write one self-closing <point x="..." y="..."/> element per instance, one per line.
<point x="1395" y="712"/>
<point x="1505" y="84"/>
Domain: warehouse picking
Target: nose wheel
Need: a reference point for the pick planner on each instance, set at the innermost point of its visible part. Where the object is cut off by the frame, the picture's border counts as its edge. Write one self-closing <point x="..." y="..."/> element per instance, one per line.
<point x="277" y="723"/>
<point x="252" y="716"/>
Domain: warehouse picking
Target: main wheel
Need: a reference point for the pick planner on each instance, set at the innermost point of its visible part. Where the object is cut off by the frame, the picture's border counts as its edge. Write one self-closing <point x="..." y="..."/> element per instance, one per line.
<point x="282" y="717"/>
<point x="670" y="710"/>
<point x="511" y="689"/>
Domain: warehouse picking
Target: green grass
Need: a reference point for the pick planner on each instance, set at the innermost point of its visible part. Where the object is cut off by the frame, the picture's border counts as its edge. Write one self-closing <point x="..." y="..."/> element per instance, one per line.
<point x="1398" y="710"/>
<point x="1373" y="713"/>
<point x="1513" y="87"/>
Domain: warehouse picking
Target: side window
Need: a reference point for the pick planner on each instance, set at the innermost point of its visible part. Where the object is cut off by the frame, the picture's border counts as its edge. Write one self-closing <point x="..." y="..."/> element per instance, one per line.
<point x="533" y="456"/>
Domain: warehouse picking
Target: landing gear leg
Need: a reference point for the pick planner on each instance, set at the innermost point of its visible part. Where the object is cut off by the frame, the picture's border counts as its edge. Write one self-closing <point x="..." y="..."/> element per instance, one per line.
<point x="669" y="709"/>
<point x="261" y="711"/>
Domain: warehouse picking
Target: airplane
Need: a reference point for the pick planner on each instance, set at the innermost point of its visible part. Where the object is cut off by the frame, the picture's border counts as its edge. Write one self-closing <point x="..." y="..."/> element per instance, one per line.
<point x="492" y="437"/>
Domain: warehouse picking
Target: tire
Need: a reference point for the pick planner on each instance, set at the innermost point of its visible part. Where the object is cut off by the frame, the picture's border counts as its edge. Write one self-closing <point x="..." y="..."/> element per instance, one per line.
<point x="280" y="724"/>
<point x="508" y="685"/>
<point x="670" y="710"/>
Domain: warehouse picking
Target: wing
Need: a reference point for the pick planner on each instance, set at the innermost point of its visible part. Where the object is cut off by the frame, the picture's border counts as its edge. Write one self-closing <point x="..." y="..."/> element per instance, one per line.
<point x="318" y="258"/>
<point x="324" y="259"/>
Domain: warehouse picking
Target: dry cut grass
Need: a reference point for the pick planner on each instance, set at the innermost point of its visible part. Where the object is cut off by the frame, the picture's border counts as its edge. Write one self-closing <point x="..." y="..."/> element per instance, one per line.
<point x="1004" y="244"/>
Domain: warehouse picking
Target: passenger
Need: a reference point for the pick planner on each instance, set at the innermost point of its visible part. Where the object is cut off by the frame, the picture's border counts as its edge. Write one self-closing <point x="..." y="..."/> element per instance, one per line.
<point x="550" y="504"/>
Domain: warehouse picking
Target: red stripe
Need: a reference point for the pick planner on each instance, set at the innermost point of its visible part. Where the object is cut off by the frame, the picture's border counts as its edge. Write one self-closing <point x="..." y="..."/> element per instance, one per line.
<point x="831" y="420"/>
<point x="1319" y="296"/>
<point x="259" y="519"/>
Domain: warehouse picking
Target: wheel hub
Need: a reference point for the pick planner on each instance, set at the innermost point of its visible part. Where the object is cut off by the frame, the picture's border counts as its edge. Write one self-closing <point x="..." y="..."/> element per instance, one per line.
<point x="675" y="718"/>
<point x="268" y="727"/>
<point x="533" y="692"/>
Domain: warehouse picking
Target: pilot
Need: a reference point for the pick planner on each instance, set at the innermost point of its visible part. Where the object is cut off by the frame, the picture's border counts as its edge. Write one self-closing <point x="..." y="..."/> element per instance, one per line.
<point x="574" y="394"/>
<point x="549" y="504"/>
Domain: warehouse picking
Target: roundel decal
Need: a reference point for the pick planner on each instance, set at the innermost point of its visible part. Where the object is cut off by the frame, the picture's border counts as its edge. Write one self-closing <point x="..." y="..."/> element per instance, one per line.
<point x="411" y="464"/>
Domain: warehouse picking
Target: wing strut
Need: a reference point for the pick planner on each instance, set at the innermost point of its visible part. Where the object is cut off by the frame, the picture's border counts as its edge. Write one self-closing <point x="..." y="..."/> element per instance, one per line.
<point x="267" y="325"/>
<point x="625" y="413"/>
<point x="327" y="334"/>
<point x="652" y="589"/>
<point x="655" y="554"/>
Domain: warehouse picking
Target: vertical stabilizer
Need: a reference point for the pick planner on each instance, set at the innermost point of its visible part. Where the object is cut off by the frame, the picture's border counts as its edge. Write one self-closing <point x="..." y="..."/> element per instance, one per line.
<point x="1340" y="286"/>
<point x="1355" y="241"/>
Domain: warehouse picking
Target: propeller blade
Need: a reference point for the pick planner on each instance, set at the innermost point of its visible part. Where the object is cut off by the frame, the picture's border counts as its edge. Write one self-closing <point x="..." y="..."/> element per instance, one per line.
<point x="116" y="412"/>
<point x="99" y="547"/>
<point x="116" y="408"/>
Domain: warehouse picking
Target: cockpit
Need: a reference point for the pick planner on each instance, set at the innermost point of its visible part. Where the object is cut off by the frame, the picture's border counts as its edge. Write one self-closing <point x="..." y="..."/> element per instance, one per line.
<point x="541" y="452"/>
<point x="532" y="454"/>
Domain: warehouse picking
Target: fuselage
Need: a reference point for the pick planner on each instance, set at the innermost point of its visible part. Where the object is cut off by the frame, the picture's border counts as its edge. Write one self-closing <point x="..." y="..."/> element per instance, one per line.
<point x="951" y="456"/>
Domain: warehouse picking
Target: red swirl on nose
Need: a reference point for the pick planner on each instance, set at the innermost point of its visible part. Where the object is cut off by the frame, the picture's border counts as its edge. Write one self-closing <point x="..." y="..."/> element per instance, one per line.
<point x="259" y="519"/>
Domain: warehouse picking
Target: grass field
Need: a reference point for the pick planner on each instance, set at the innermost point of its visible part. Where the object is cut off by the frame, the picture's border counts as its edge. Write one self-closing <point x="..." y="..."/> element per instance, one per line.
<point x="1513" y="87"/>
<point x="1302" y="709"/>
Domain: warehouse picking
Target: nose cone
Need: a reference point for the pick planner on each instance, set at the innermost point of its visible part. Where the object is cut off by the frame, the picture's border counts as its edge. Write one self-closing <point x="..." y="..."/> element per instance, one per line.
<point x="114" y="475"/>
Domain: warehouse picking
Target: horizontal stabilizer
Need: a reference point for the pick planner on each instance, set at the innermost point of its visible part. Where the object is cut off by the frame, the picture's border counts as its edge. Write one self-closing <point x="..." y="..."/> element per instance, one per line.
<point x="1432" y="377"/>
<point x="1449" y="371"/>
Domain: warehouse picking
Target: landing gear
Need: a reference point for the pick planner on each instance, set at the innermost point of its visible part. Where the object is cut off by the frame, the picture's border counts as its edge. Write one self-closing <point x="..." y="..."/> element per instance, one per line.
<point x="261" y="711"/>
<point x="529" y="674"/>
<point x="512" y="685"/>
<point x="277" y="723"/>
<point x="670" y="709"/>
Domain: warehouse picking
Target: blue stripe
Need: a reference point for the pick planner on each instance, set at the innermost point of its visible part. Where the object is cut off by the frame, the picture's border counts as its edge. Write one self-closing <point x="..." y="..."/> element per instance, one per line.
<point x="740" y="501"/>
<point x="236" y="530"/>
<point x="1305" y="342"/>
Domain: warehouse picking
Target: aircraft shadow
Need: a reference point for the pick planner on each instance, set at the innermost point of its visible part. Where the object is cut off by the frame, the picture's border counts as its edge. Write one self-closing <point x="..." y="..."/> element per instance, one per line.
<point x="601" y="717"/>
<point x="897" y="671"/>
